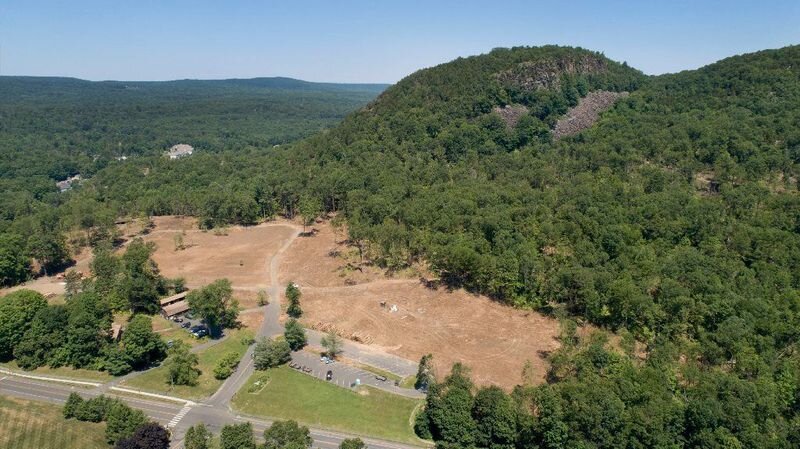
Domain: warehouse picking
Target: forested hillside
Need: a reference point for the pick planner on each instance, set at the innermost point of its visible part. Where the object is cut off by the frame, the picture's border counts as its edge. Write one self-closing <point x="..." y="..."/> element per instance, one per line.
<point x="55" y="128"/>
<point x="673" y="220"/>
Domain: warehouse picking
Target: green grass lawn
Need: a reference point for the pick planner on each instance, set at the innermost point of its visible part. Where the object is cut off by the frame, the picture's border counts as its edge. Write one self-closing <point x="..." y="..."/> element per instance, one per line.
<point x="287" y="394"/>
<point x="155" y="379"/>
<point x="38" y="425"/>
<point x="64" y="371"/>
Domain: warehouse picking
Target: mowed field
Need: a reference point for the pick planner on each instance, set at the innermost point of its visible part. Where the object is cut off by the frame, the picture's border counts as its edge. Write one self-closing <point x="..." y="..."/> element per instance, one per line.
<point x="493" y="340"/>
<point x="287" y="394"/>
<point x="38" y="425"/>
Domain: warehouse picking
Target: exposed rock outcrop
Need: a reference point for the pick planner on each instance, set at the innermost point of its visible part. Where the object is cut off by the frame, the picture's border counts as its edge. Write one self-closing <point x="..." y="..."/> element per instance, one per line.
<point x="511" y="113"/>
<point x="586" y="113"/>
<point x="546" y="73"/>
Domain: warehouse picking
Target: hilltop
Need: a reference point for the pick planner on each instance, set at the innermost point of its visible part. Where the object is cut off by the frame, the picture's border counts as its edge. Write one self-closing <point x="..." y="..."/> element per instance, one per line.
<point x="670" y="219"/>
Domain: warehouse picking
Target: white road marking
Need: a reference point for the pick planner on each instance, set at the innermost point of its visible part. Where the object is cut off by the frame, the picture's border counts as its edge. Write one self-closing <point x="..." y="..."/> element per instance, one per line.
<point x="174" y="422"/>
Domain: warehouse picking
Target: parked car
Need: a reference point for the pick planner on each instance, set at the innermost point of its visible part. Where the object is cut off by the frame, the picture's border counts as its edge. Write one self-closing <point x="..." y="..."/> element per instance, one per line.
<point x="306" y="369"/>
<point x="329" y="375"/>
<point x="381" y="378"/>
<point x="177" y="319"/>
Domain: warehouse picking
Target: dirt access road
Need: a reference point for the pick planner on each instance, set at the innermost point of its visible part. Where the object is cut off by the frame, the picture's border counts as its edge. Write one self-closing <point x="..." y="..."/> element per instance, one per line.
<point x="455" y="326"/>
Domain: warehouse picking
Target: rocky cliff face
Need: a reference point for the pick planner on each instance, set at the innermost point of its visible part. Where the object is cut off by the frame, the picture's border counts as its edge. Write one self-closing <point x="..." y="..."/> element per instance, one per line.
<point x="586" y="113"/>
<point x="546" y="73"/>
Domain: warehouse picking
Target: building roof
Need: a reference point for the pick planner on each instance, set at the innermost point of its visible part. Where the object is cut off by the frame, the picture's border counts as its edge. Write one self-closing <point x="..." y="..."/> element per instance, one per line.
<point x="179" y="150"/>
<point x="173" y="298"/>
<point x="176" y="308"/>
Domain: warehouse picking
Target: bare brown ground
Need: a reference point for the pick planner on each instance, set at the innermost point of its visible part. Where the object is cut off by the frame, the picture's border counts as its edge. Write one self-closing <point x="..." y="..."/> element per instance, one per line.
<point x="242" y="256"/>
<point x="52" y="285"/>
<point x="251" y="319"/>
<point x="325" y="260"/>
<point x="490" y="338"/>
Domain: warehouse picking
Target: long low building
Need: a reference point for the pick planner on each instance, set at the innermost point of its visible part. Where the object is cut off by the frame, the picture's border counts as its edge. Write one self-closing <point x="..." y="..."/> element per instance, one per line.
<point x="174" y="305"/>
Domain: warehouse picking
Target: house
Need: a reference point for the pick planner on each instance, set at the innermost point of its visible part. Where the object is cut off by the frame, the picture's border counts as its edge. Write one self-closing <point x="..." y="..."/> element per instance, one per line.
<point x="66" y="184"/>
<point x="180" y="150"/>
<point x="174" y="305"/>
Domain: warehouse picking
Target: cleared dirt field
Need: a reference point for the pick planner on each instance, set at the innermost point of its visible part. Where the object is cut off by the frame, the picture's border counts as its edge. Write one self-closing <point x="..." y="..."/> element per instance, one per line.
<point x="242" y="255"/>
<point x="490" y="338"/>
<point x="324" y="260"/>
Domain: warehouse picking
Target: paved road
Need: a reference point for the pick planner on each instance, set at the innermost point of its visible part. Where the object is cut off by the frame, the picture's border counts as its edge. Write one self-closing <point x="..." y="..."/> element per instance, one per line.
<point x="178" y="416"/>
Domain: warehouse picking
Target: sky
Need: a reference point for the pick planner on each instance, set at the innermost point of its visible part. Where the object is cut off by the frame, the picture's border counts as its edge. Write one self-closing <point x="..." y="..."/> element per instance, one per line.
<point x="376" y="41"/>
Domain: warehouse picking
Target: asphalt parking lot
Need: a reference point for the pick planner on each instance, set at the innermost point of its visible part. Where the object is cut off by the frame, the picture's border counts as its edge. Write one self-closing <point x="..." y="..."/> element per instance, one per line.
<point x="343" y="375"/>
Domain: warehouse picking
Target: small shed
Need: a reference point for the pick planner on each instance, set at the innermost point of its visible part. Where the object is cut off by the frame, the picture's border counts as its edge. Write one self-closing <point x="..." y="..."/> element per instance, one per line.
<point x="174" y="305"/>
<point x="175" y="308"/>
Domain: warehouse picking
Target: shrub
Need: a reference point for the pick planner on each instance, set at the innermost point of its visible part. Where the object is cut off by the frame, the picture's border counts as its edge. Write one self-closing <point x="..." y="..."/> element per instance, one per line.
<point x="226" y="366"/>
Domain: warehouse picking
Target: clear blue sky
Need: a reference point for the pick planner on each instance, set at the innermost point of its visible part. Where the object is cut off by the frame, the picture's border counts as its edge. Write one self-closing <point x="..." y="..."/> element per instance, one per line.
<point x="367" y="41"/>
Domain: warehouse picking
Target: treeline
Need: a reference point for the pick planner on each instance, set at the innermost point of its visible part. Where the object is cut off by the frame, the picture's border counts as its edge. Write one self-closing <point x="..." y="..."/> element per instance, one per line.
<point x="601" y="397"/>
<point x="126" y="428"/>
<point x="76" y="334"/>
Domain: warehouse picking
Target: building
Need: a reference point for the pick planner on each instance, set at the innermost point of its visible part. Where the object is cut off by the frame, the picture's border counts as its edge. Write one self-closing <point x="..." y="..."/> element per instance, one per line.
<point x="174" y="305"/>
<point x="180" y="150"/>
<point x="67" y="184"/>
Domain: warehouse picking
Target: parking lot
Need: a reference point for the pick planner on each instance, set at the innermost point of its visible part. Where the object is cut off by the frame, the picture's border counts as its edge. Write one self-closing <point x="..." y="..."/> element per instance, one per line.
<point x="345" y="375"/>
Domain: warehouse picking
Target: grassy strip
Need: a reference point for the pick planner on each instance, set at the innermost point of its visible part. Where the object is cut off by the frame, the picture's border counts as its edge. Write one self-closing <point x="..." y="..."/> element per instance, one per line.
<point x="389" y="375"/>
<point x="154" y="380"/>
<point x="37" y="425"/>
<point x="64" y="371"/>
<point x="408" y="382"/>
<point x="288" y="394"/>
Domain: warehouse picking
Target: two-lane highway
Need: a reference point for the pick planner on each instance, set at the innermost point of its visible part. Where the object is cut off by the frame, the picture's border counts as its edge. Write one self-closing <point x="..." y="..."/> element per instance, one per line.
<point x="175" y="415"/>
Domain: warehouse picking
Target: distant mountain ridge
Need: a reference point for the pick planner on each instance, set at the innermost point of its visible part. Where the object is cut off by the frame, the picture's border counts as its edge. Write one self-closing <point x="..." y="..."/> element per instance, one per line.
<point x="13" y="86"/>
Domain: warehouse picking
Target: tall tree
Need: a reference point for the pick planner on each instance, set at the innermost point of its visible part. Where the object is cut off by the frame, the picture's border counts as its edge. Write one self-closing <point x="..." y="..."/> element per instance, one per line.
<point x="17" y="310"/>
<point x="14" y="262"/>
<point x="197" y="437"/>
<point x="182" y="365"/>
<point x="425" y="375"/>
<point x="295" y="335"/>
<point x="237" y="436"/>
<point x="293" y="297"/>
<point x="495" y="415"/>
<point x="140" y="344"/>
<point x="271" y="353"/>
<point x="142" y="282"/>
<point x="214" y="303"/>
<point x="332" y="344"/>
<point x="287" y="435"/>
<point x="122" y="421"/>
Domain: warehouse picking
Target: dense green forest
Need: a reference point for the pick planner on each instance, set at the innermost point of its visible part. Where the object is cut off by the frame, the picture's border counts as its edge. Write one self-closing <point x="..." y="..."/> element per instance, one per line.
<point x="674" y="221"/>
<point x="54" y="128"/>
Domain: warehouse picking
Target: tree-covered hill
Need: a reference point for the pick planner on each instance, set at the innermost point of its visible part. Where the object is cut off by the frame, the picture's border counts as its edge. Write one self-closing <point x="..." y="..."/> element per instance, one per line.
<point x="52" y="128"/>
<point x="673" y="220"/>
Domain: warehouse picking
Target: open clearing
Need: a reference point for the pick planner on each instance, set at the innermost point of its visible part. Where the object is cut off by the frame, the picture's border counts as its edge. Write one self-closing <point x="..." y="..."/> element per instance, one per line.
<point x="37" y="425"/>
<point x="492" y="339"/>
<point x="288" y="394"/>
<point x="242" y="255"/>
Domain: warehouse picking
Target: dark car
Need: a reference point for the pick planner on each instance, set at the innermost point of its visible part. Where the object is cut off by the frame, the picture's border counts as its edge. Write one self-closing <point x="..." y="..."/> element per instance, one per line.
<point x="381" y="378"/>
<point x="186" y="325"/>
<point x="329" y="375"/>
